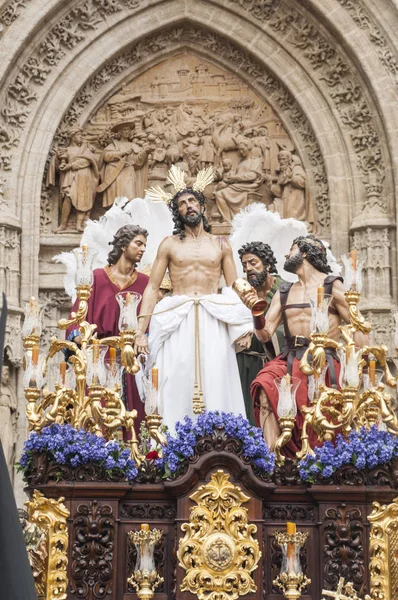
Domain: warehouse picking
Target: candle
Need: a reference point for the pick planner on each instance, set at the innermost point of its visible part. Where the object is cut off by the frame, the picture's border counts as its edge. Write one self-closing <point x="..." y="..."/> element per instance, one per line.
<point x="128" y="298"/>
<point x="155" y="378"/>
<point x="291" y="547"/>
<point x="291" y="528"/>
<point x="372" y="372"/>
<point x="62" y="370"/>
<point x="320" y="296"/>
<point x="95" y="347"/>
<point x="112" y="356"/>
<point x="144" y="527"/>
<point x="353" y="256"/>
<point x="35" y="355"/>
<point x="287" y="379"/>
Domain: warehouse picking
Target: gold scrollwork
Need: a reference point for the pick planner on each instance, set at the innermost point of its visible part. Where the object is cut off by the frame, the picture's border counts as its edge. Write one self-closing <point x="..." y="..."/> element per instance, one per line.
<point x="218" y="551"/>
<point x="50" y="516"/>
<point x="383" y="551"/>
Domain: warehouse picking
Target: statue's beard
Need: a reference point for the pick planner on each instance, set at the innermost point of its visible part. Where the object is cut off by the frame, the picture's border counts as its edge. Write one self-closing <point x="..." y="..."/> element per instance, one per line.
<point x="293" y="263"/>
<point x="192" y="220"/>
<point x="257" y="279"/>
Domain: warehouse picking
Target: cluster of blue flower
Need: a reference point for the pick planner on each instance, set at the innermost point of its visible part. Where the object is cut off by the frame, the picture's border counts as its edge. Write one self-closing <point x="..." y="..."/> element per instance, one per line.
<point x="65" y="445"/>
<point x="364" y="449"/>
<point x="182" y="446"/>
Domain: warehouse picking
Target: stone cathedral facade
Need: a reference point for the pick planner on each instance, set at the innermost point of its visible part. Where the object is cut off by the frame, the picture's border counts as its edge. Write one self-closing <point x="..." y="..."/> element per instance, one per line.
<point x="190" y="78"/>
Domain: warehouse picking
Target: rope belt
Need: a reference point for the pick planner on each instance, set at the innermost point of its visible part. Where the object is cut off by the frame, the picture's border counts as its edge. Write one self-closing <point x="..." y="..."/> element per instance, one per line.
<point x="197" y="400"/>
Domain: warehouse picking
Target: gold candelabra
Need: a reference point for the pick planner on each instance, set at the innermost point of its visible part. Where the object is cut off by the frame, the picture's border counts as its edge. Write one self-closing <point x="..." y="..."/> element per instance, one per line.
<point x="145" y="579"/>
<point x="291" y="580"/>
<point x="361" y="400"/>
<point x="88" y="393"/>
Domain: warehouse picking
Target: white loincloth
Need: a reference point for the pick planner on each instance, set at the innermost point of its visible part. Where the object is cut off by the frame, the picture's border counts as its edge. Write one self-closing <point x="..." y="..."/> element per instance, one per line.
<point x="222" y="320"/>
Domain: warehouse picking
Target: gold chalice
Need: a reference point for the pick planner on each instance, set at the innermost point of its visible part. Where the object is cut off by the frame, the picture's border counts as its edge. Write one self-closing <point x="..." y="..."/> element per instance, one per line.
<point x="242" y="287"/>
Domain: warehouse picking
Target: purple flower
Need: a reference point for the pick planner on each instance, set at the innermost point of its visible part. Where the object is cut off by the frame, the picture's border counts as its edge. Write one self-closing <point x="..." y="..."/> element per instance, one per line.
<point x="182" y="446"/>
<point x="66" y="445"/>
<point x="365" y="449"/>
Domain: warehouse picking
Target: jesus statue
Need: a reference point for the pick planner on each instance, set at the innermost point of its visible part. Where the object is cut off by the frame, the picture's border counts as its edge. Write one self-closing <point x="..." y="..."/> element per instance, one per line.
<point x="193" y="332"/>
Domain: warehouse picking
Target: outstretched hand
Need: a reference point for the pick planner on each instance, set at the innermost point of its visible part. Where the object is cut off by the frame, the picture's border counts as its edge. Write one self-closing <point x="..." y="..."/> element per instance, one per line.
<point x="245" y="341"/>
<point x="141" y="344"/>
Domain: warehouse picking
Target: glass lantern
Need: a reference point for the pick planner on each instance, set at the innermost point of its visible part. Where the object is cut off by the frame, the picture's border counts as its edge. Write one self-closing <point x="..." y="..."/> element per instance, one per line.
<point x="352" y="272"/>
<point x="114" y="372"/>
<point x="314" y="383"/>
<point x="85" y="258"/>
<point x="320" y="313"/>
<point x="287" y="388"/>
<point x="96" y="372"/>
<point x="33" y="375"/>
<point x="32" y="322"/>
<point x="128" y="302"/>
<point x="349" y="361"/>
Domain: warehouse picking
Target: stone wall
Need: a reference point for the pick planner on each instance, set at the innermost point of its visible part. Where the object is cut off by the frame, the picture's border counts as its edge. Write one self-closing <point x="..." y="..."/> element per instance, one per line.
<point x="327" y="70"/>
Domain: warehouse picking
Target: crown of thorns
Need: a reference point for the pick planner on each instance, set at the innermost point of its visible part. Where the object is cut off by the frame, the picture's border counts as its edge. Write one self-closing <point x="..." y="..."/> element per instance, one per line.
<point x="176" y="177"/>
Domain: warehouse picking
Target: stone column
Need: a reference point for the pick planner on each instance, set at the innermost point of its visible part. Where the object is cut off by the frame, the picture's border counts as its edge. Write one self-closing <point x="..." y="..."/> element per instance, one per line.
<point x="372" y="233"/>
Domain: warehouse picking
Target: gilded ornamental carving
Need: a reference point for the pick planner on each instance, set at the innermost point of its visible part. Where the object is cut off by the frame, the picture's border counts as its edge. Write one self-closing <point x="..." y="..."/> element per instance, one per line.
<point x="219" y="551"/>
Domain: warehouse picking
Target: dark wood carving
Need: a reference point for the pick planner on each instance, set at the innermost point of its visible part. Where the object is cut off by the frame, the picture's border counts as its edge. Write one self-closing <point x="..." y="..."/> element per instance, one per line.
<point x="44" y="471"/>
<point x="333" y="511"/>
<point x="350" y="475"/>
<point x="148" y="511"/>
<point x="287" y="474"/>
<point x="344" y="540"/>
<point x="92" y="551"/>
<point x="288" y="512"/>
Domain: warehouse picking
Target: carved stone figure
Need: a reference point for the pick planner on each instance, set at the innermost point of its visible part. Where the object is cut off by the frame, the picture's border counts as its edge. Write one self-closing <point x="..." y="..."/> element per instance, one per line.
<point x="78" y="178"/>
<point x="123" y="166"/>
<point x="183" y="111"/>
<point x="243" y="182"/>
<point x="8" y="419"/>
<point x="206" y="156"/>
<point x="292" y="189"/>
<point x="262" y="147"/>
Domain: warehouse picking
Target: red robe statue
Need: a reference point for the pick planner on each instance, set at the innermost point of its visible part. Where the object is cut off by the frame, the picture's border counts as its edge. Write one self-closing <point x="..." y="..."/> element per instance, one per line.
<point x="104" y="311"/>
<point x="289" y="362"/>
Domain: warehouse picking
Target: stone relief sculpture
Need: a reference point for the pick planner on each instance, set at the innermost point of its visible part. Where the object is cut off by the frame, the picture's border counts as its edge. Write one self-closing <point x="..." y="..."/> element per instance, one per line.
<point x="189" y="112"/>
<point x="78" y="178"/>
<point x="8" y="419"/>
<point x="242" y="182"/>
<point x="290" y="189"/>
<point x="121" y="165"/>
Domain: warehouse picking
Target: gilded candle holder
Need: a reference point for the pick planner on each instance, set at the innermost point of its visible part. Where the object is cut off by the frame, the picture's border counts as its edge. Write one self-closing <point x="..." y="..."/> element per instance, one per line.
<point x="145" y="579"/>
<point x="291" y="580"/>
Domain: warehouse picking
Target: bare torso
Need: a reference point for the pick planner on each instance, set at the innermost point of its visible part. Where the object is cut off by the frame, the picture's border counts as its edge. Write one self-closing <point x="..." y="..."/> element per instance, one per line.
<point x="299" y="319"/>
<point x="195" y="264"/>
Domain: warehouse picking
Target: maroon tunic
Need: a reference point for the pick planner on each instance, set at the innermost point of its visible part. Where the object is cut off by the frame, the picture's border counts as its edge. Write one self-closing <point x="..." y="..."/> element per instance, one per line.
<point x="104" y="311"/>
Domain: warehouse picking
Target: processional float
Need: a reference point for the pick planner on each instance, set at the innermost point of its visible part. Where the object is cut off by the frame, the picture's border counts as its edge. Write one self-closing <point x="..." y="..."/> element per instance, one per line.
<point x="219" y="553"/>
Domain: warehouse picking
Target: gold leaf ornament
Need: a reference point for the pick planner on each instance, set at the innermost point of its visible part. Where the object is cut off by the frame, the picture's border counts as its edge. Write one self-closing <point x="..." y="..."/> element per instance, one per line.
<point x="176" y="177"/>
<point x="218" y="551"/>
